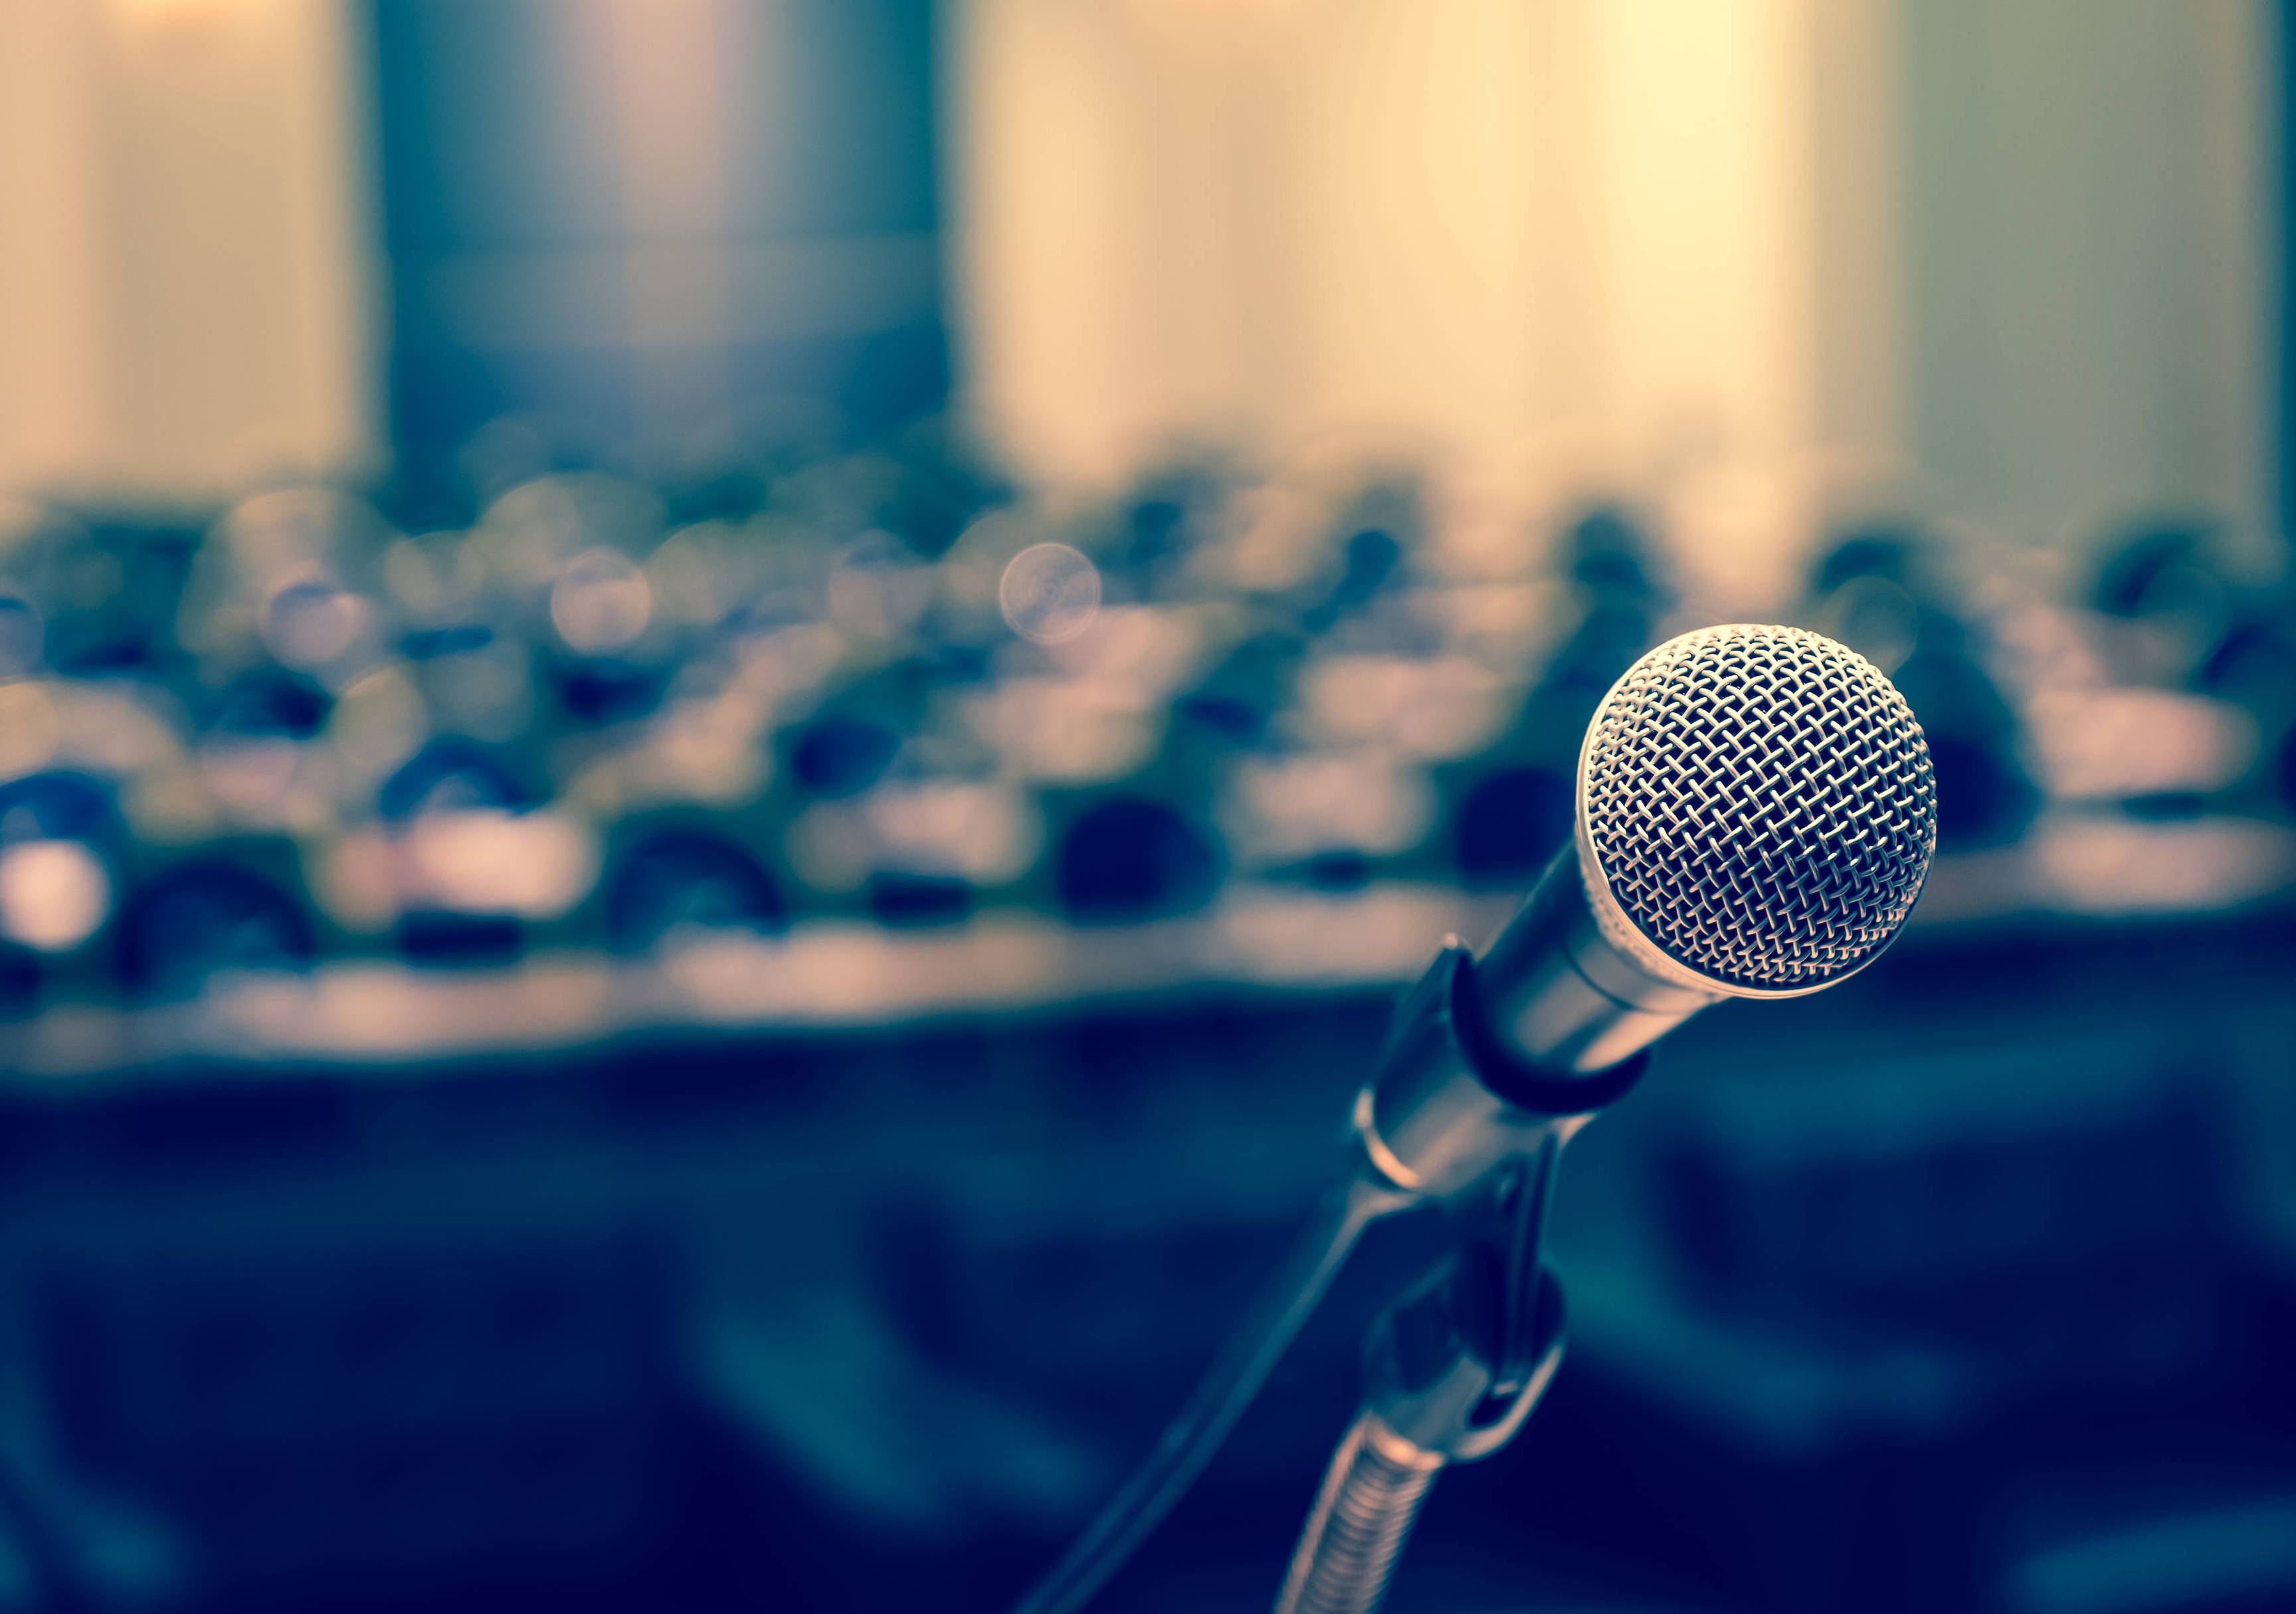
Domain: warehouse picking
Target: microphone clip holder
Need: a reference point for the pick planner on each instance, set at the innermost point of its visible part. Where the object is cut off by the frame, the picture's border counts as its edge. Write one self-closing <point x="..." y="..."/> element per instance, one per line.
<point x="1453" y="1370"/>
<point x="1455" y="1366"/>
<point x="1449" y="1104"/>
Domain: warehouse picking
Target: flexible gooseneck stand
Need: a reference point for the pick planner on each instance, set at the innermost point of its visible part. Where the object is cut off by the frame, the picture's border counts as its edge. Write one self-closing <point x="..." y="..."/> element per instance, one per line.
<point x="1452" y="1369"/>
<point x="1456" y="1365"/>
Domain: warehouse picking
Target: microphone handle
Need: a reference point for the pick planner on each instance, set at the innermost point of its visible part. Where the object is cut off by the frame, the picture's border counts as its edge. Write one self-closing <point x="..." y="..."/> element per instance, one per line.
<point x="1560" y="996"/>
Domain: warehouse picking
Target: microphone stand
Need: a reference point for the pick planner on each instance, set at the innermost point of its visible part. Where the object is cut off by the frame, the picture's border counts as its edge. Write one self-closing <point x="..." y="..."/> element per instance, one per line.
<point x="1453" y="1118"/>
<point x="1452" y="1369"/>
<point x="1456" y="1366"/>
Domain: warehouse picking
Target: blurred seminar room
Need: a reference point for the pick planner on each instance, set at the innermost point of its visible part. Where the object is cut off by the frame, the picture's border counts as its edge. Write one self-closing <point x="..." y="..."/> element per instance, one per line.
<point x="726" y="727"/>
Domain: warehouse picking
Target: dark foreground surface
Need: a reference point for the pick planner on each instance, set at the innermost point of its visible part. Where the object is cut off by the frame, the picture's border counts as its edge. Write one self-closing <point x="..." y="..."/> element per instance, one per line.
<point x="1964" y="1287"/>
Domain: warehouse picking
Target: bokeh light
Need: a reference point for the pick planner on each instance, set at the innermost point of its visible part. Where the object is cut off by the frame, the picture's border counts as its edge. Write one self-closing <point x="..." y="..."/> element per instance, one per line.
<point x="54" y="894"/>
<point x="1049" y="593"/>
<point x="600" y="601"/>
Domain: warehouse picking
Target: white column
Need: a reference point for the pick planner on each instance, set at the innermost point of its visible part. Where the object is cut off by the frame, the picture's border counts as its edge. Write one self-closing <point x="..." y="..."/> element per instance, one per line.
<point x="2091" y="257"/>
<point x="186" y="298"/>
<point x="664" y="60"/>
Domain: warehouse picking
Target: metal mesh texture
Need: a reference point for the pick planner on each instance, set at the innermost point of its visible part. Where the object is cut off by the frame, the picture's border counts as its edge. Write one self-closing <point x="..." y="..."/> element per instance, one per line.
<point x="1761" y="804"/>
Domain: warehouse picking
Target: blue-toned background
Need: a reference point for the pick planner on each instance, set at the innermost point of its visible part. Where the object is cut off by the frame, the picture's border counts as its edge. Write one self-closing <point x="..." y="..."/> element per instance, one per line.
<point x="724" y="726"/>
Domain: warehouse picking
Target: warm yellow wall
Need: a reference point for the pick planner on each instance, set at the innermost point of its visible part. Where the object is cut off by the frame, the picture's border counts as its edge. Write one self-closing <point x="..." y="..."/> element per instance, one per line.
<point x="186" y="298"/>
<point x="1690" y="250"/>
<point x="1572" y="246"/>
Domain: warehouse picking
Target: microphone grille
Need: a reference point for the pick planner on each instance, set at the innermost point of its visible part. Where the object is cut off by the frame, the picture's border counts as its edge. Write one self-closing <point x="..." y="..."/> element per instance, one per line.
<point x="1758" y="803"/>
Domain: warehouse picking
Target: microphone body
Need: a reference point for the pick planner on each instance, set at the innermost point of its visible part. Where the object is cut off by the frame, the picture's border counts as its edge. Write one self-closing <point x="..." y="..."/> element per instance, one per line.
<point x="1561" y="997"/>
<point x="1489" y="1060"/>
<point x="1755" y="818"/>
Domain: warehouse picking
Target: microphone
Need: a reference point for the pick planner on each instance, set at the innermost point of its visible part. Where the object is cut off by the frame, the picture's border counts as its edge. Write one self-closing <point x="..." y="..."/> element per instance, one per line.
<point x="1755" y="817"/>
<point x="1756" y="813"/>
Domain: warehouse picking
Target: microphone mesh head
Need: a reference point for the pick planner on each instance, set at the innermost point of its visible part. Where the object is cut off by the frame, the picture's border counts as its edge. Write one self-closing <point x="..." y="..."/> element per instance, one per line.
<point x="1759" y="803"/>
